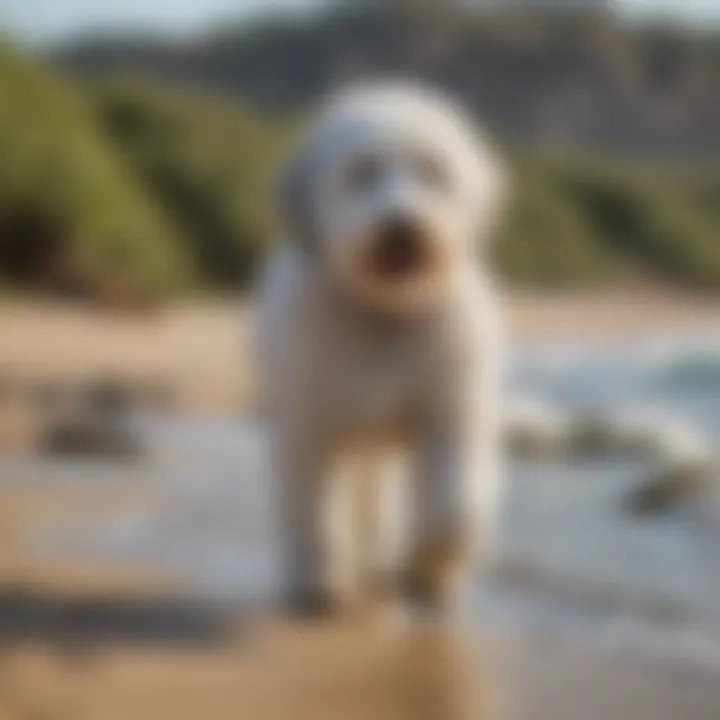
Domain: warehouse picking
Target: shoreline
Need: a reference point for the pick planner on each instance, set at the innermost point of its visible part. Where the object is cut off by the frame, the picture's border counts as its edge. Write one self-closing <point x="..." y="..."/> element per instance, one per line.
<point x="196" y="357"/>
<point x="623" y="311"/>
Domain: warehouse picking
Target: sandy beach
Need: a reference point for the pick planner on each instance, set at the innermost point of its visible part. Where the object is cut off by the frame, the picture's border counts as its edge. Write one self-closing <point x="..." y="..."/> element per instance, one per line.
<point x="97" y="639"/>
<point x="200" y="351"/>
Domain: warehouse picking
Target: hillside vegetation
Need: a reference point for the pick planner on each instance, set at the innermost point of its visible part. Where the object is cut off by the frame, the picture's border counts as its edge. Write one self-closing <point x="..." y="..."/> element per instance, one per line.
<point x="72" y="215"/>
<point x="134" y="183"/>
<point x="208" y="162"/>
<point x="577" y="220"/>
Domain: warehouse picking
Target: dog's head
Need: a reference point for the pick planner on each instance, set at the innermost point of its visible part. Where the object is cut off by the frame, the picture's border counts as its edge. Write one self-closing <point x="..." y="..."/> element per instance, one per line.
<point x="391" y="190"/>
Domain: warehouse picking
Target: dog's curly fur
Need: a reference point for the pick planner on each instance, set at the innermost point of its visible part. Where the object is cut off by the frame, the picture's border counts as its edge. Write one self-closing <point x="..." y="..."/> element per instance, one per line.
<point x="370" y="378"/>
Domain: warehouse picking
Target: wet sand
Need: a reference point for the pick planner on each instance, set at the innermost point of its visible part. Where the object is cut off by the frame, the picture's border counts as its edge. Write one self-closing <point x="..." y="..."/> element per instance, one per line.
<point x="95" y="658"/>
<point x="101" y="639"/>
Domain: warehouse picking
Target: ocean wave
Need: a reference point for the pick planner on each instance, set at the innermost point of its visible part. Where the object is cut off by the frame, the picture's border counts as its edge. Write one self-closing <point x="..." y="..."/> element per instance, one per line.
<point x="599" y="373"/>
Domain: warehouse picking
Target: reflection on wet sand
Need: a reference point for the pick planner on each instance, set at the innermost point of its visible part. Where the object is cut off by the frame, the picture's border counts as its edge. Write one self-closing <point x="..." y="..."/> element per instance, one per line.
<point x="342" y="671"/>
<point x="85" y="638"/>
<point x="79" y="657"/>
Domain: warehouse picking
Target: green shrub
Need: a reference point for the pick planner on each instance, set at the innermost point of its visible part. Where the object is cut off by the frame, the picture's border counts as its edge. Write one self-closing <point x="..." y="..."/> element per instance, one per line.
<point x="578" y="220"/>
<point x="66" y="199"/>
<point x="208" y="162"/>
<point x="547" y="239"/>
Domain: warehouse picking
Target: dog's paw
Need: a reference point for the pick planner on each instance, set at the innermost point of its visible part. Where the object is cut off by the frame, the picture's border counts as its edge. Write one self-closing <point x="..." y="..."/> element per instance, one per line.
<point x="426" y="593"/>
<point x="435" y="590"/>
<point x="317" y="603"/>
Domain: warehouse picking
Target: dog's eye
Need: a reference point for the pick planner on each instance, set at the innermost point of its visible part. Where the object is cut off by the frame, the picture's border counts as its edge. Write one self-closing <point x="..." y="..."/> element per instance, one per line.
<point x="432" y="172"/>
<point x="364" y="173"/>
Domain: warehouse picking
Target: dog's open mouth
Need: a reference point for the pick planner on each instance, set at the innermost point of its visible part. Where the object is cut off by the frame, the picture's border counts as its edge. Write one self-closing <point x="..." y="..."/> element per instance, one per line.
<point x="400" y="251"/>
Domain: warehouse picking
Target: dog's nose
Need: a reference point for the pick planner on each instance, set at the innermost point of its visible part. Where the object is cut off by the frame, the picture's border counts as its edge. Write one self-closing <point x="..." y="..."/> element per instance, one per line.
<point x="400" y="248"/>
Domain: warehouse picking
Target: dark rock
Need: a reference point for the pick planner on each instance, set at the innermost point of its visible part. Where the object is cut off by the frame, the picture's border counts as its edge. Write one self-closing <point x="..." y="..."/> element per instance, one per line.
<point x="86" y="437"/>
<point x="670" y="488"/>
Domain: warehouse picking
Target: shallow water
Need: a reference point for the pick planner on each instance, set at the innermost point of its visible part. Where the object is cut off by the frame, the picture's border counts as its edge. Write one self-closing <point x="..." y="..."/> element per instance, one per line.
<point x="568" y="521"/>
<point x="569" y="547"/>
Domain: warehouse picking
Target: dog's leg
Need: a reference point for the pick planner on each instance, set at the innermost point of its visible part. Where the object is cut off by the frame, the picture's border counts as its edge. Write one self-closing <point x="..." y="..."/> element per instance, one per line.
<point x="316" y="528"/>
<point x="382" y="530"/>
<point x="455" y="488"/>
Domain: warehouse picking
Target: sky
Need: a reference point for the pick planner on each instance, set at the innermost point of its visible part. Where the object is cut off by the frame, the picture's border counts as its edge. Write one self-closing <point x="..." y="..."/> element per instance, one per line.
<point x="53" y="20"/>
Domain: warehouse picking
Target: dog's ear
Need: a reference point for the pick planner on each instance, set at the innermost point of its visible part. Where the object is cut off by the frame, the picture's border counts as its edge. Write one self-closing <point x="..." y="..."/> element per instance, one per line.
<point x="295" y="197"/>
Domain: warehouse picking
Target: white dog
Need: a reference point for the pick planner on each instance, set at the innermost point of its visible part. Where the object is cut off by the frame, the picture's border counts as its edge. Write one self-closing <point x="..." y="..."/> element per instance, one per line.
<point x="379" y="350"/>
